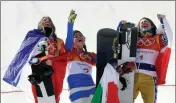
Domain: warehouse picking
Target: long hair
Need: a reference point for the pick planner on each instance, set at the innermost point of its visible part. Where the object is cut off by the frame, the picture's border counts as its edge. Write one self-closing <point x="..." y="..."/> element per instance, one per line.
<point x="84" y="46"/>
<point x="153" y="29"/>
<point x="40" y="26"/>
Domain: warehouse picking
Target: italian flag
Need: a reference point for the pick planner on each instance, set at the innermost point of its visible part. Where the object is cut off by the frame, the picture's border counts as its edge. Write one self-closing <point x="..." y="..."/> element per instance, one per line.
<point x="107" y="90"/>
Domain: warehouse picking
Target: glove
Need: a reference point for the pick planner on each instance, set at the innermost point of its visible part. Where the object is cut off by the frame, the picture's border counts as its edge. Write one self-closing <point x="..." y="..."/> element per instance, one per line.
<point x="72" y="16"/>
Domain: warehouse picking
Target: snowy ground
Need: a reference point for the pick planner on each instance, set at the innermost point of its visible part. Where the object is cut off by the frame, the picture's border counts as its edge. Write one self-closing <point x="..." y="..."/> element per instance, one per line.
<point x="165" y="95"/>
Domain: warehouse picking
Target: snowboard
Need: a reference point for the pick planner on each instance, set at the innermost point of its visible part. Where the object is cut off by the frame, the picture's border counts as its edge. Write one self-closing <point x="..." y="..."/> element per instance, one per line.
<point x="41" y="77"/>
<point x="118" y="45"/>
<point x="105" y="53"/>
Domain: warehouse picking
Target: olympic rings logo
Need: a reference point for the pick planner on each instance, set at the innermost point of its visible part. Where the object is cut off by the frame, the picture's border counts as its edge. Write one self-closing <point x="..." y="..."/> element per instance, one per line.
<point x="145" y="41"/>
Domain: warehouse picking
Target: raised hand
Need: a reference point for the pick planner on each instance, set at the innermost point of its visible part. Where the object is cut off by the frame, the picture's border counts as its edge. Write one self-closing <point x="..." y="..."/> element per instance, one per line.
<point x="72" y="16"/>
<point x="160" y="16"/>
<point x="124" y="21"/>
<point x="121" y="24"/>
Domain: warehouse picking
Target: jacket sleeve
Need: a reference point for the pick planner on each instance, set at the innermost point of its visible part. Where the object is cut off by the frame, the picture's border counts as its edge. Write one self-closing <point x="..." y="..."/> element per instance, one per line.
<point x="69" y="40"/>
<point x="94" y="56"/>
<point x="163" y="40"/>
<point x="166" y="31"/>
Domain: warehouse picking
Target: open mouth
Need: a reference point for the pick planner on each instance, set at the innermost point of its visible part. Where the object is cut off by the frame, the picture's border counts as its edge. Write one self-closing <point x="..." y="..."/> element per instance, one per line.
<point x="145" y="26"/>
<point x="47" y="25"/>
<point x="80" y="40"/>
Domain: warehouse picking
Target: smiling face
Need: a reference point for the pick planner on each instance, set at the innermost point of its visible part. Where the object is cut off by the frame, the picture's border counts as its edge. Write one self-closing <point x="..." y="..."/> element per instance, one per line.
<point x="145" y="25"/>
<point x="46" y="25"/>
<point x="79" y="40"/>
<point x="46" y="22"/>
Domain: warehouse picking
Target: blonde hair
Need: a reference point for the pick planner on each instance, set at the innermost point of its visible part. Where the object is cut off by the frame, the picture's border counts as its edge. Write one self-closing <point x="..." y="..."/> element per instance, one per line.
<point x="40" y="26"/>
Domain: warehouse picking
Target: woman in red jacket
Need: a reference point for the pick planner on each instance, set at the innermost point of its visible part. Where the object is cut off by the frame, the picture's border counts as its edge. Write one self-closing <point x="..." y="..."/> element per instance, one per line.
<point x="79" y="63"/>
<point x="53" y="47"/>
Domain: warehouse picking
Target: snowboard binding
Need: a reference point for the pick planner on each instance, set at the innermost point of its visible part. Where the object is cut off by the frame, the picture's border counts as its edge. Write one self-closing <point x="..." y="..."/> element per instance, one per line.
<point x="128" y="34"/>
<point x="34" y="79"/>
<point x="40" y="70"/>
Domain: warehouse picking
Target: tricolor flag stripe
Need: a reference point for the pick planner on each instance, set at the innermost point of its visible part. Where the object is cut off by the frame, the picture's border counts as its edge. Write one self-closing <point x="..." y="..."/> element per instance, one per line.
<point x="80" y="80"/>
<point x="81" y="92"/>
<point x="107" y="90"/>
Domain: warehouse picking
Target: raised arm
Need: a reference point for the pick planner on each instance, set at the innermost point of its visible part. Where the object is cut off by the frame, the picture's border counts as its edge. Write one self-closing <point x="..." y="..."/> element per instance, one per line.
<point x="121" y="24"/>
<point x="69" y="40"/>
<point x="167" y="30"/>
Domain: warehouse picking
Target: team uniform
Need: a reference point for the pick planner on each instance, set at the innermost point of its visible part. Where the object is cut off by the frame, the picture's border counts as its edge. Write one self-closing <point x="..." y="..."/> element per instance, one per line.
<point x="28" y="47"/>
<point x="59" y="70"/>
<point x="54" y="48"/>
<point x="79" y="65"/>
<point x="80" y="80"/>
<point x="149" y="48"/>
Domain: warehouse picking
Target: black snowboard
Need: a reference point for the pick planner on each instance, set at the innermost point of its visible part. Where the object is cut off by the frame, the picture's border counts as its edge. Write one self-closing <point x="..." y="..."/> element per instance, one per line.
<point x="41" y="77"/>
<point x="105" y="50"/>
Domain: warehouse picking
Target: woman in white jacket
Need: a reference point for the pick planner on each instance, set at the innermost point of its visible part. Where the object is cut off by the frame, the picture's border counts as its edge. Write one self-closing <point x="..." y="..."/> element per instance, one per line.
<point x="152" y="42"/>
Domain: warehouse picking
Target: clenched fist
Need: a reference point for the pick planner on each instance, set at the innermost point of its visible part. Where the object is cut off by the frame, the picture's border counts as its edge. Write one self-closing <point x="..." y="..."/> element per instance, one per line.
<point x="160" y="16"/>
<point x="72" y="16"/>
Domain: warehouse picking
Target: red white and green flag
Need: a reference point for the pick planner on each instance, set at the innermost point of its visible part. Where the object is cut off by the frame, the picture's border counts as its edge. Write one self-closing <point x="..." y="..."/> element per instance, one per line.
<point x="107" y="90"/>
